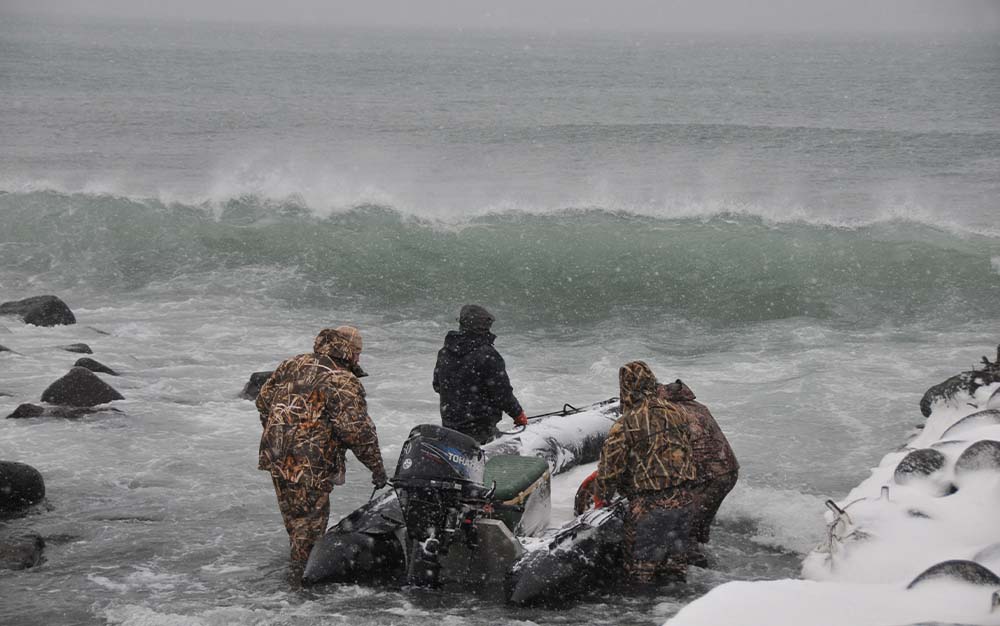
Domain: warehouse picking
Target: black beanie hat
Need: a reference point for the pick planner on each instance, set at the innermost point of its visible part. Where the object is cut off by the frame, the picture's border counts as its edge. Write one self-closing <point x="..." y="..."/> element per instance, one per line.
<point x="474" y="317"/>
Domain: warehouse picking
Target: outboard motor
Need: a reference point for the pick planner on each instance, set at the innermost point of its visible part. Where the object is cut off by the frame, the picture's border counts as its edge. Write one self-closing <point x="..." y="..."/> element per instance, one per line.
<point x="439" y="483"/>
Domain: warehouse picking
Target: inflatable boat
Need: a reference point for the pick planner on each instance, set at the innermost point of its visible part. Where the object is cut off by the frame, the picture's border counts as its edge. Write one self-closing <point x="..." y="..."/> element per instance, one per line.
<point x="471" y="516"/>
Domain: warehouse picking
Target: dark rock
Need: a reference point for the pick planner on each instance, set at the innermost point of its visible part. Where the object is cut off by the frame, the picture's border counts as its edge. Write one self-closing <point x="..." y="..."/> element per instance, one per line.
<point x="966" y="382"/>
<point x="4" y="348"/>
<point x="80" y="387"/>
<point x="27" y="410"/>
<point x="80" y="348"/>
<point x="957" y="570"/>
<point x="947" y="390"/>
<point x="982" y="455"/>
<point x="40" y="311"/>
<point x="94" y="366"/>
<point x="20" y="486"/>
<point x="252" y="388"/>
<point x="918" y="464"/>
<point x="21" y="552"/>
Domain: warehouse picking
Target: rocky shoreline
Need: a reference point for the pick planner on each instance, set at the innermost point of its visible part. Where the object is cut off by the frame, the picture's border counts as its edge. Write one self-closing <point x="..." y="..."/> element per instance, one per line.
<point x="81" y="391"/>
<point x="917" y="541"/>
<point x="78" y="392"/>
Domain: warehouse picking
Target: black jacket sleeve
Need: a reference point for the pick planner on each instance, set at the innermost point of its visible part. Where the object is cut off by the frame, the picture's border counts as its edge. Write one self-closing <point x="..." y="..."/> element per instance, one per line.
<point x="498" y="383"/>
<point x="437" y="369"/>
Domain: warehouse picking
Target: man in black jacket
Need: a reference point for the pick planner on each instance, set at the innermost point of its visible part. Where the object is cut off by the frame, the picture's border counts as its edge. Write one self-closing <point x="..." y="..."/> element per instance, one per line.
<point x="471" y="378"/>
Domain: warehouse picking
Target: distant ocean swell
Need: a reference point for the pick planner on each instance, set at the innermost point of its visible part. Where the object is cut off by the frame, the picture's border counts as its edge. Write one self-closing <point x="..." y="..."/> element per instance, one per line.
<point x="570" y="265"/>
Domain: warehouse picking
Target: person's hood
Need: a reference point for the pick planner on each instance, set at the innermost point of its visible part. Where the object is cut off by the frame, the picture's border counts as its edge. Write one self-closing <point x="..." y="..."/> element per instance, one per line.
<point x="636" y="381"/>
<point x="343" y="345"/>
<point x="474" y="318"/>
<point x="676" y="391"/>
<point x="460" y="343"/>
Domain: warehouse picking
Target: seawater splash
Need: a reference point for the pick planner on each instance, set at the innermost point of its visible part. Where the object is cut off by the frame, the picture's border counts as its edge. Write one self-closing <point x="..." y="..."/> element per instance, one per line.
<point x="574" y="265"/>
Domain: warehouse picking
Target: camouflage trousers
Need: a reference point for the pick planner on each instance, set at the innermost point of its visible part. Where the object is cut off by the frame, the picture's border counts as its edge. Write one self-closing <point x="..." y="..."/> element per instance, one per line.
<point x="708" y="497"/>
<point x="305" y="511"/>
<point x="657" y="535"/>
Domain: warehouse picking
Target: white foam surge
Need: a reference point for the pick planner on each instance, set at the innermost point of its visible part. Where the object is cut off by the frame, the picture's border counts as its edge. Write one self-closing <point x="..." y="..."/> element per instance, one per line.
<point x="784" y="518"/>
<point x="325" y="191"/>
<point x="889" y="534"/>
<point x="283" y="612"/>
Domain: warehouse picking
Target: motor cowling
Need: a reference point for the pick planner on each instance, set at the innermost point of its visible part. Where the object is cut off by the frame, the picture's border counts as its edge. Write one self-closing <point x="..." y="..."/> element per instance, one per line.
<point x="439" y="482"/>
<point x="434" y="456"/>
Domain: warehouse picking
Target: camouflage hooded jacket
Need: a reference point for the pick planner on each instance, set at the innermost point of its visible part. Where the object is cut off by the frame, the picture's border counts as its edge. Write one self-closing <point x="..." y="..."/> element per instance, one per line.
<point x="649" y="447"/>
<point x="313" y="409"/>
<point x="711" y="453"/>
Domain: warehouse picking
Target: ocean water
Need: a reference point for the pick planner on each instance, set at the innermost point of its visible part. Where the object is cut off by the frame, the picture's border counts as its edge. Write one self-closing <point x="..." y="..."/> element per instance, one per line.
<point x="802" y="227"/>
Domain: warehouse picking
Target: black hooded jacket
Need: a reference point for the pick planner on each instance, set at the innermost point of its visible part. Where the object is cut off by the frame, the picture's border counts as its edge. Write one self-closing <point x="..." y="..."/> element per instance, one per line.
<point x="471" y="378"/>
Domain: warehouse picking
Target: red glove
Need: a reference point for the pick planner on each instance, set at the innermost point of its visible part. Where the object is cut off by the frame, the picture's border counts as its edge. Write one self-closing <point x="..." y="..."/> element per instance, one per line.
<point x="587" y="494"/>
<point x="521" y="420"/>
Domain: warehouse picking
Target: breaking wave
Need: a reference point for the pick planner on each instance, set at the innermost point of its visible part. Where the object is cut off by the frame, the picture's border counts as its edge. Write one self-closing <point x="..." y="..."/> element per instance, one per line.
<point x="575" y="264"/>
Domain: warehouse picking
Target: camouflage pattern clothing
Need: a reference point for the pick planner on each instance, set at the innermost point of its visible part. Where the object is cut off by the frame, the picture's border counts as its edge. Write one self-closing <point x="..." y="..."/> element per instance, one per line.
<point x="647" y="457"/>
<point x="649" y="447"/>
<point x="305" y="512"/>
<point x="313" y="409"/>
<point x="707" y="497"/>
<point x="714" y="459"/>
<point x="711" y="453"/>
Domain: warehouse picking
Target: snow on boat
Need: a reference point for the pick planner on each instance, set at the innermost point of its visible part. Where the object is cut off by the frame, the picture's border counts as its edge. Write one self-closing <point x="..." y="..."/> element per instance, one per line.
<point x="918" y="541"/>
<point x="577" y="558"/>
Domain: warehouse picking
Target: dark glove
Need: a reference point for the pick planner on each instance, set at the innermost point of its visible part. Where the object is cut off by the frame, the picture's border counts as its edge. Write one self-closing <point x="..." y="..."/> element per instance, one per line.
<point x="379" y="479"/>
<point x="521" y="420"/>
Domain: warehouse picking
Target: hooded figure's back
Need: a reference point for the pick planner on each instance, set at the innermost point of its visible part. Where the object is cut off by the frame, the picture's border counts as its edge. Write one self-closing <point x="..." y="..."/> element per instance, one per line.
<point x="471" y="378"/>
<point x="649" y="447"/>
<point x="312" y="409"/>
<point x="711" y="453"/>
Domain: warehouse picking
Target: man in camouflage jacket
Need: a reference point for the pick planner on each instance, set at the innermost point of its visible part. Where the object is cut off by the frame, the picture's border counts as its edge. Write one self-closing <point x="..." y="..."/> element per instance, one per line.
<point x="648" y="458"/>
<point x="313" y="409"/>
<point x="713" y="457"/>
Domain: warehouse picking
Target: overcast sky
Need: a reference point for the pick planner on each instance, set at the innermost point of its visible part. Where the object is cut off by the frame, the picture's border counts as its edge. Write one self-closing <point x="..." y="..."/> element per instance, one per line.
<point x="655" y="15"/>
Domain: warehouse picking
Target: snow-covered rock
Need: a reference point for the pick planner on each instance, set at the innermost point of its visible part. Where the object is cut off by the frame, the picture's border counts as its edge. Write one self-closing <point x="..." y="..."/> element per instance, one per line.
<point x="917" y="541"/>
